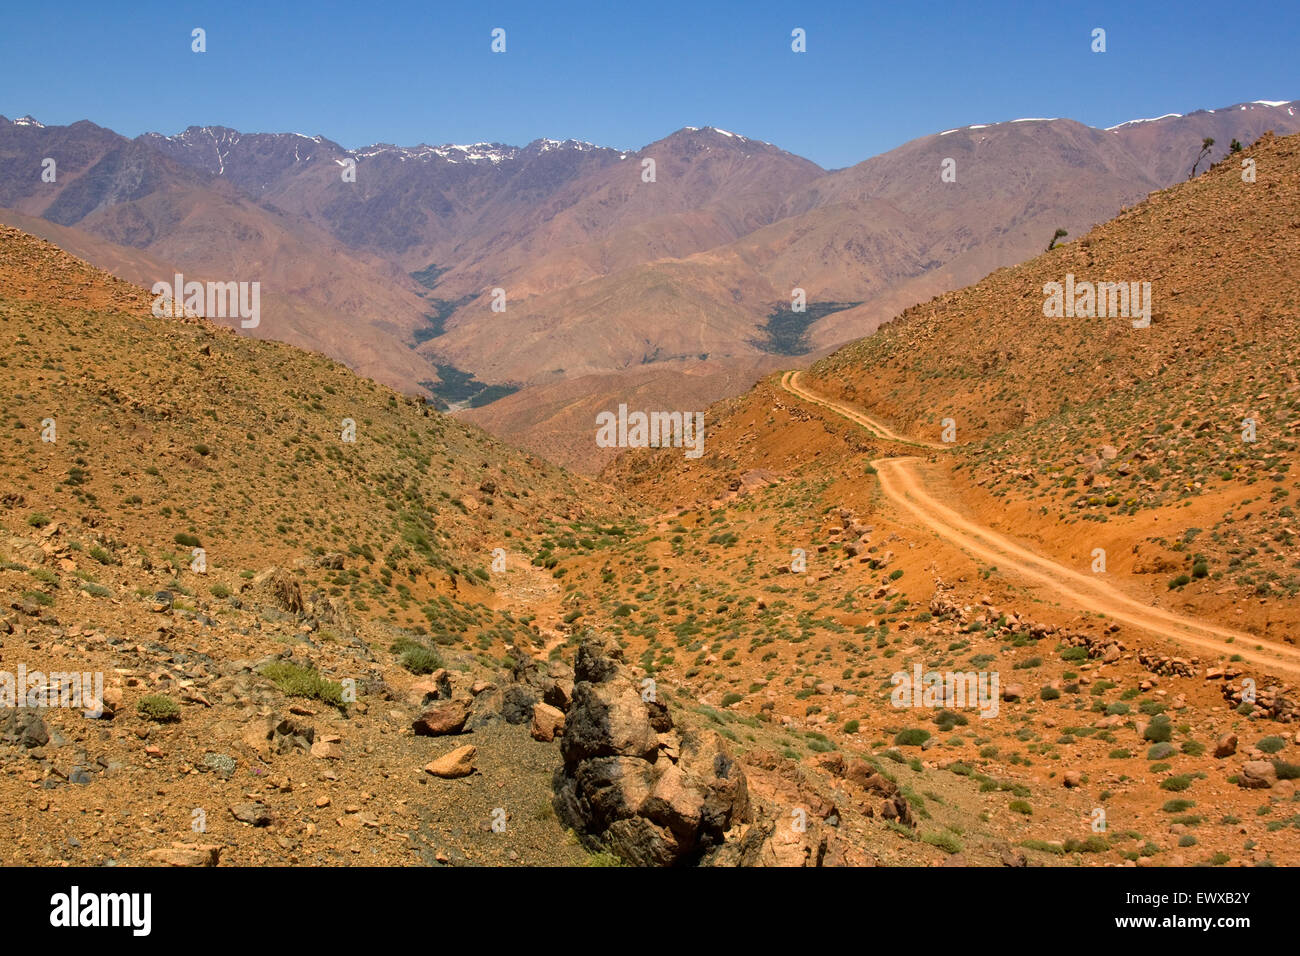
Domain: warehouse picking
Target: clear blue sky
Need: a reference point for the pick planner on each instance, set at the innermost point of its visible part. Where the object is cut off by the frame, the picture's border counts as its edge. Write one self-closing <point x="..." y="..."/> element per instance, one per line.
<point x="623" y="73"/>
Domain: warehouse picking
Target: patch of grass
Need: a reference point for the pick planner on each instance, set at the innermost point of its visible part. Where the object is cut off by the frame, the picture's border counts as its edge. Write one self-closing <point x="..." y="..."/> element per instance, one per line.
<point x="943" y="840"/>
<point x="298" y="681"/>
<point x="158" y="707"/>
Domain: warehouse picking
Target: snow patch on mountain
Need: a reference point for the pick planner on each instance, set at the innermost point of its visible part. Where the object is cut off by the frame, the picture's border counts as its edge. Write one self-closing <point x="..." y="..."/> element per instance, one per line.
<point x="1134" y="122"/>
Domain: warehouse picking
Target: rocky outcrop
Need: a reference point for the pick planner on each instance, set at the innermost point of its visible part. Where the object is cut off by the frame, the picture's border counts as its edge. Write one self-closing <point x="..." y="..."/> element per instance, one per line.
<point x="633" y="784"/>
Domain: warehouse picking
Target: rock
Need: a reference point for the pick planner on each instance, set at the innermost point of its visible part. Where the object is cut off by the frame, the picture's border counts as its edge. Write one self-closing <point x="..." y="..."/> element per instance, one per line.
<point x="1226" y="747"/>
<point x="595" y="664"/>
<point x="162" y="602"/>
<point x="1012" y="692"/>
<point x="293" y="734"/>
<point x="187" y="854"/>
<point x="329" y="747"/>
<point x="458" y="763"/>
<point x="1258" y="774"/>
<point x="607" y="719"/>
<point x="517" y="704"/>
<point x="223" y="765"/>
<point x="25" y="728"/>
<point x="1011" y="856"/>
<point x="652" y="797"/>
<point x="447" y="718"/>
<point x="548" y="722"/>
<point x="254" y="814"/>
<point x="258" y="735"/>
<point x="1072" y="778"/>
<point x="437" y="686"/>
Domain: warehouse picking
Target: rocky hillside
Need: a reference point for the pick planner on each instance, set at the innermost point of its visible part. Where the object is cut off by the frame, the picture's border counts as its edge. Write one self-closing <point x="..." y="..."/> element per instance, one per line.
<point x="262" y="554"/>
<point x="1092" y="420"/>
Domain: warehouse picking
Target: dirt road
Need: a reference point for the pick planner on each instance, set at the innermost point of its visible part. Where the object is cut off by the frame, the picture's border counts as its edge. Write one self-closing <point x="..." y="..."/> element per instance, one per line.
<point x="903" y="484"/>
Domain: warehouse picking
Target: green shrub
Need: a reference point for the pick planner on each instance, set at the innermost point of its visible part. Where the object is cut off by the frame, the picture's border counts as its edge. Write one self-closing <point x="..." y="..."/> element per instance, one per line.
<point x="1176" y="783"/>
<point x="158" y="707"/>
<point x="1286" y="771"/>
<point x="419" y="659"/>
<point x="912" y="737"/>
<point x="944" y="841"/>
<point x="298" y="681"/>
<point x="1158" y="732"/>
<point x="1094" y="844"/>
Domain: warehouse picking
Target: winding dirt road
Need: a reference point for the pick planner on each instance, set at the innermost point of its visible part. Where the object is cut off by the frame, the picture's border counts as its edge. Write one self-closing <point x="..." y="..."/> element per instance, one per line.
<point x="902" y="484"/>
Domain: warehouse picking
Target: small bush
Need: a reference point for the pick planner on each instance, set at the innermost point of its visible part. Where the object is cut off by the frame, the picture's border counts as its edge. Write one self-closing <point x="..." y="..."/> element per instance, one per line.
<point x="298" y="681"/>
<point x="158" y="707"/>
<point x="944" y="841"/>
<point x="1094" y="844"/>
<point x="419" y="659"/>
<point x="912" y="737"/>
<point x="1158" y="732"/>
<point x="1286" y="771"/>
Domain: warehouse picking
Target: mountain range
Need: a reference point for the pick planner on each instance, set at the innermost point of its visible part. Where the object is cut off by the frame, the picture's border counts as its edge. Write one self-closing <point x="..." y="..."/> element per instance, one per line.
<point x="678" y="288"/>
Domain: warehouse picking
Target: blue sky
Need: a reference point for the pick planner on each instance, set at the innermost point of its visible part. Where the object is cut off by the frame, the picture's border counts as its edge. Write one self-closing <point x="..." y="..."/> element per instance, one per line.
<point x="624" y="74"/>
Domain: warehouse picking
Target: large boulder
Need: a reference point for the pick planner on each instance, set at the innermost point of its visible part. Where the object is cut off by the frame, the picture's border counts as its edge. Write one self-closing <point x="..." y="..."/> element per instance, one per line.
<point x="448" y="718"/>
<point x="631" y="783"/>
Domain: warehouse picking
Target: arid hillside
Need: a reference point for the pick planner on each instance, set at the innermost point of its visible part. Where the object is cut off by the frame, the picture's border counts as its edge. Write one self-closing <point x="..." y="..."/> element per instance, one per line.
<point x="1099" y="537"/>
<point x="1099" y="425"/>
<point x="239" y="535"/>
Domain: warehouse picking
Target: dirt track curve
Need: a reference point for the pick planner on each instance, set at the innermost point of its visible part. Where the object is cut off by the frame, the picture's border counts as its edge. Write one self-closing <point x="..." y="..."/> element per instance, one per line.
<point x="902" y="485"/>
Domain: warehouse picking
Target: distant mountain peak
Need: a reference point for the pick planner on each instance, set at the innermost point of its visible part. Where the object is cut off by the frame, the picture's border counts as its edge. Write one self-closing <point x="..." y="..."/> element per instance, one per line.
<point x="29" y="121"/>
<point x="1270" y="104"/>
